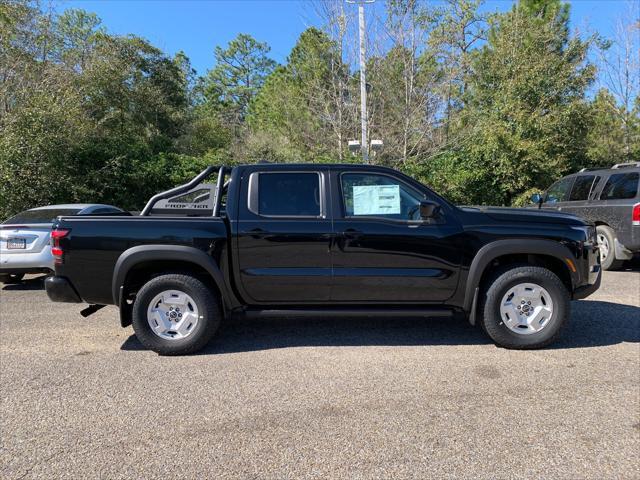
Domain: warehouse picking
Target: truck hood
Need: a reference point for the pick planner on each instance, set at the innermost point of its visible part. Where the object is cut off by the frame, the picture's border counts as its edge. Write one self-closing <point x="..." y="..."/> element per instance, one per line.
<point x="527" y="215"/>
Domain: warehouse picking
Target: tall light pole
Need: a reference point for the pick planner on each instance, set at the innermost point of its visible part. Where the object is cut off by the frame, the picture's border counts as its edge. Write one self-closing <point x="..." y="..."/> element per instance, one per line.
<point x="364" y="144"/>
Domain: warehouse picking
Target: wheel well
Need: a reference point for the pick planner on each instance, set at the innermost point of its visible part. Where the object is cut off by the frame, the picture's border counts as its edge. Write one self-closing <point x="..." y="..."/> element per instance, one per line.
<point x="549" y="262"/>
<point x="142" y="272"/>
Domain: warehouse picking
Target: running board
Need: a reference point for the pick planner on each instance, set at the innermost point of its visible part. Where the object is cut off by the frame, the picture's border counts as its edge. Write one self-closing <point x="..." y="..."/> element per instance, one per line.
<point x="346" y="312"/>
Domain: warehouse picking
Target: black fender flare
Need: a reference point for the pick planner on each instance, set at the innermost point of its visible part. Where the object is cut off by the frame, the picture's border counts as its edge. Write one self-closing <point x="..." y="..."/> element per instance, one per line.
<point x="496" y="249"/>
<point x="145" y="253"/>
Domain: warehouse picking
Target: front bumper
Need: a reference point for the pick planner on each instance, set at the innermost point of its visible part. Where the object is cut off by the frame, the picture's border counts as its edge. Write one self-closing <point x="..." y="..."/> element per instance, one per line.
<point x="59" y="289"/>
<point x="591" y="272"/>
<point x="586" y="290"/>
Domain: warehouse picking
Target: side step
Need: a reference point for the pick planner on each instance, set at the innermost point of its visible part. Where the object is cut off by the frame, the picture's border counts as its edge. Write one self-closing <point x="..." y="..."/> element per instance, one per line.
<point x="346" y="312"/>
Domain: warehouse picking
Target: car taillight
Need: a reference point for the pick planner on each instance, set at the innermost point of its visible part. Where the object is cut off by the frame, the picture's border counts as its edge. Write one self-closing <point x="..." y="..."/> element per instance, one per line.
<point x="56" y="249"/>
<point x="635" y="215"/>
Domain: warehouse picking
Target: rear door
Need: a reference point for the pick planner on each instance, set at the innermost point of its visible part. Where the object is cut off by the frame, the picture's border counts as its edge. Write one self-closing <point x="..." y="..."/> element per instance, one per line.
<point x="383" y="252"/>
<point x="283" y="236"/>
<point x="619" y="193"/>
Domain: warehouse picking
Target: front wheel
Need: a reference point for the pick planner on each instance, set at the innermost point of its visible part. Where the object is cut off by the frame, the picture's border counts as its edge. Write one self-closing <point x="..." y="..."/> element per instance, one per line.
<point x="175" y="314"/>
<point x="524" y="307"/>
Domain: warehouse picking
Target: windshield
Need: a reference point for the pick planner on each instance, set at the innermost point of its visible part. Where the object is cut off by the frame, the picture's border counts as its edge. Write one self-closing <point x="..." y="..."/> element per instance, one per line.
<point x="46" y="215"/>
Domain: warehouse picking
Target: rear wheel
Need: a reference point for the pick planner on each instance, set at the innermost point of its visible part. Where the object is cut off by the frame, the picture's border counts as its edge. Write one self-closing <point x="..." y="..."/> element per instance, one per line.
<point x="11" y="277"/>
<point x="176" y="314"/>
<point x="606" y="244"/>
<point x="524" y="307"/>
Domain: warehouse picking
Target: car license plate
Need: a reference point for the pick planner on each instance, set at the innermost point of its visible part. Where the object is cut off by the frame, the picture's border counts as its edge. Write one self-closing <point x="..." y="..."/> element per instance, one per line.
<point x="16" y="243"/>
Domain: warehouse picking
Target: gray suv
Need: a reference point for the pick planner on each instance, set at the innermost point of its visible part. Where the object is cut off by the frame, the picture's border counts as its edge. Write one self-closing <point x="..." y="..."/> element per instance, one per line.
<point x="609" y="198"/>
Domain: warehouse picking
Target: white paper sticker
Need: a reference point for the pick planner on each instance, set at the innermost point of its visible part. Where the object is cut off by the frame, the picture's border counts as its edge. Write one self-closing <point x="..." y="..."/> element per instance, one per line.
<point x="376" y="199"/>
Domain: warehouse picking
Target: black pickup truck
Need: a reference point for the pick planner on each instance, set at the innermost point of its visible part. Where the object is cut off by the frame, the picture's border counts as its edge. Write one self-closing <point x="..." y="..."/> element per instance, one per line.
<point x="316" y="240"/>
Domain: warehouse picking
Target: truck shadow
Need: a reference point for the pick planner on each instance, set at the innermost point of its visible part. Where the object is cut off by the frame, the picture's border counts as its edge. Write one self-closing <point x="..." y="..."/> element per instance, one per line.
<point x="631" y="266"/>
<point x="36" y="283"/>
<point x="593" y="324"/>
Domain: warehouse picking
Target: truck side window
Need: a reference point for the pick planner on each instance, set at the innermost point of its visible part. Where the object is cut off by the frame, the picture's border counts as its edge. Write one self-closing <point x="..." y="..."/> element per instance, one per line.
<point x="558" y="192"/>
<point x="581" y="188"/>
<point x="289" y="194"/>
<point x="379" y="196"/>
<point x="620" y="186"/>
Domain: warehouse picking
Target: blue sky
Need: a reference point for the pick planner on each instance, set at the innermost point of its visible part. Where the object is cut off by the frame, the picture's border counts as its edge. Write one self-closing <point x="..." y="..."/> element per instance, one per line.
<point x="196" y="27"/>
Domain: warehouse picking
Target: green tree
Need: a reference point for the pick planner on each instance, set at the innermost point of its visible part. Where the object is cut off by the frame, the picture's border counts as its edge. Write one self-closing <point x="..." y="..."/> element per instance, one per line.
<point x="403" y="99"/>
<point x="86" y="116"/>
<point x="76" y="35"/>
<point x="606" y="138"/>
<point x="458" y="28"/>
<point x="238" y="75"/>
<point x="302" y="103"/>
<point x="526" y="116"/>
<point x="19" y="69"/>
<point x="37" y="142"/>
<point x="132" y="89"/>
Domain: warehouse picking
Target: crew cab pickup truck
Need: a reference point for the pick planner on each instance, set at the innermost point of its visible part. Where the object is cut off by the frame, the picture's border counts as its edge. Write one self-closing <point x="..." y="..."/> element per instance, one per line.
<point x="283" y="240"/>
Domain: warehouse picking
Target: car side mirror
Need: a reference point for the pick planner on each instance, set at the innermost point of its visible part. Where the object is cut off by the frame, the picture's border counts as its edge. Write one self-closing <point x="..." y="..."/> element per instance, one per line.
<point x="428" y="209"/>
<point x="536" y="198"/>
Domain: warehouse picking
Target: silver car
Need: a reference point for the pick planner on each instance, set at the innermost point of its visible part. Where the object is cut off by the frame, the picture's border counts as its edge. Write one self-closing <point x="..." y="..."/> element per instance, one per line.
<point x="24" y="238"/>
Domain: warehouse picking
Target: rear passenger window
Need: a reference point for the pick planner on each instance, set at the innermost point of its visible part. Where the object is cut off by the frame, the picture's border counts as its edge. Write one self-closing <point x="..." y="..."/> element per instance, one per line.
<point x="620" y="186"/>
<point x="581" y="188"/>
<point x="289" y="194"/>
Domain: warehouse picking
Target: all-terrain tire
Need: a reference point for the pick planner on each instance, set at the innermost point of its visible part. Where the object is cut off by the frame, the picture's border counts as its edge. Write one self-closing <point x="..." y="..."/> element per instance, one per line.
<point x="207" y="305"/>
<point x="497" y="287"/>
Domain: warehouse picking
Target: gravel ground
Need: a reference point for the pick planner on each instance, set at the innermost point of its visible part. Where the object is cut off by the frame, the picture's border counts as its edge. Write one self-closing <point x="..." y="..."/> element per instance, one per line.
<point x="365" y="398"/>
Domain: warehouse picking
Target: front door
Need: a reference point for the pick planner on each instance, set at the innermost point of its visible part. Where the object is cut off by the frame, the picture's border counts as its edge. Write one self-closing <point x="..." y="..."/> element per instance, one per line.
<point x="579" y="196"/>
<point x="283" y="237"/>
<point x="558" y="193"/>
<point x="383" y="252"/>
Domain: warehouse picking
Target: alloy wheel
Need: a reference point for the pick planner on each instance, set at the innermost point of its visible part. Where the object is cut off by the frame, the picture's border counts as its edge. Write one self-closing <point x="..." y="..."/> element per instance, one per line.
<point x="172" y="315"/>
<point x="526" y="308"/>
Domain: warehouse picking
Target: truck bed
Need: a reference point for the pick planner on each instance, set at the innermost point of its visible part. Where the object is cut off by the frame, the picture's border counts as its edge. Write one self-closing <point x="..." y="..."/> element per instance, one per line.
<point x="94" y="245"/>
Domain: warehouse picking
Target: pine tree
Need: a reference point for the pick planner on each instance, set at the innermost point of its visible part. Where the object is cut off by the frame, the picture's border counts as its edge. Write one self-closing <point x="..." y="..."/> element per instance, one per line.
<point x="238" y="75"/>
<point x="526" y="113"/>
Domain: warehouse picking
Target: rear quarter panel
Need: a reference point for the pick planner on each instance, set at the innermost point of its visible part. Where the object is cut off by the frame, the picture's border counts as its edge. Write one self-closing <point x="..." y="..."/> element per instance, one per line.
<point x="94" y="244"/>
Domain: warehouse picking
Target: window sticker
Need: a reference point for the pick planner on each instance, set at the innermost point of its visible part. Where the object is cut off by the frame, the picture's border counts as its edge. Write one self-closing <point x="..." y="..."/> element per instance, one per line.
<point x="376" y="199"/>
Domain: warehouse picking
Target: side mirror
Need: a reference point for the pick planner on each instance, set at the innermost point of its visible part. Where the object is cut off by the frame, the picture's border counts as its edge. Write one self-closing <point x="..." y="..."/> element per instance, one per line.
<point x="428" y="209"/>
<point x="537" y="199"/>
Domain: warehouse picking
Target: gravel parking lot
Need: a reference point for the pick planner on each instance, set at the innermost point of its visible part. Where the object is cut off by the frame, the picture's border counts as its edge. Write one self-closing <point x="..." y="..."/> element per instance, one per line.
<point x="362" y="398"/>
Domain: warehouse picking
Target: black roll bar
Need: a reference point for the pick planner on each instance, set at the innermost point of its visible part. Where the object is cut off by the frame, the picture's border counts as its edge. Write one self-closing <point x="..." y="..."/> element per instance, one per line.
<point x="185" y="188"/>
<point x="217" y="201"/>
